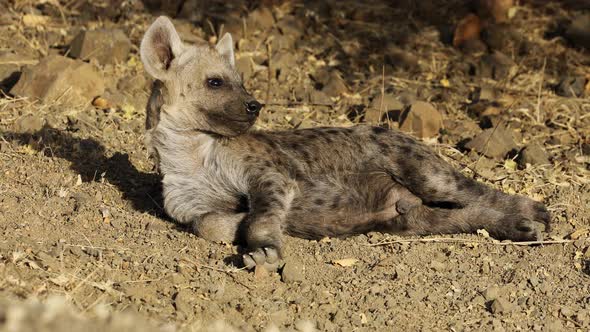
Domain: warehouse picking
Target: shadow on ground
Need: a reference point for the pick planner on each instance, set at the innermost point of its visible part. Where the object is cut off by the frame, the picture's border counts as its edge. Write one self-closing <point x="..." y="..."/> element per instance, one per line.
<point x="89" y="159"/>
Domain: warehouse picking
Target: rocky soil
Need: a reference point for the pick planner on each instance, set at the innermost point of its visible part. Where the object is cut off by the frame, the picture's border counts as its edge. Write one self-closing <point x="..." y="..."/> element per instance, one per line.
<point x="499" y="88"/>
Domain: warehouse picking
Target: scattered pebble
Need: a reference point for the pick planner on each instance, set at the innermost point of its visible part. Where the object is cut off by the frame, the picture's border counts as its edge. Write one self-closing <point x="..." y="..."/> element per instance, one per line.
<point x="493" y="142"/>
<point x="107" y="46"/>
<point x="532" y="154"/>
<point x="421" y="119"/>
<point x="501" y="306"/>
<point x="57" y="78"/>
<point x="293" y="271"/>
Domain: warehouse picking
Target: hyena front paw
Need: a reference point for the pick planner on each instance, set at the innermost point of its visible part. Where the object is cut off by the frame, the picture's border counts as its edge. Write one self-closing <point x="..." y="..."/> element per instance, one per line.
<point x="264" y="245"/>
<point x="268" y="257"/>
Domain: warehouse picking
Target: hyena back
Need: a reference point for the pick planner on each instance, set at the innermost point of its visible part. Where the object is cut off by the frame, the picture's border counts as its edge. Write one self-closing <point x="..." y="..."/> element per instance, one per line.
<point x="231" y="183"/>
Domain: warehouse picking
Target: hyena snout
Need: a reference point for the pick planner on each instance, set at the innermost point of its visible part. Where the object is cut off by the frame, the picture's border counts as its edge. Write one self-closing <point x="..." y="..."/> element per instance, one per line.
<point x="253" y="107"/>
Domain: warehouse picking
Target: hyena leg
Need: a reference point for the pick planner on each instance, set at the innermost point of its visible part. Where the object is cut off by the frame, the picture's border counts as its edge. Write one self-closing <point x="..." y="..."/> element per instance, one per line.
<point x="271" y="199"/>
<point x="437" y="183"/>
<point x="424" y="220"/>
<point x="219" y="227"/>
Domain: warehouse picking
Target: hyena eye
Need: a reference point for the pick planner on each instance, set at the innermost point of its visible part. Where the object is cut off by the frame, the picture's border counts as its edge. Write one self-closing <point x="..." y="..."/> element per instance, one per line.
<point x="215" y="82"/>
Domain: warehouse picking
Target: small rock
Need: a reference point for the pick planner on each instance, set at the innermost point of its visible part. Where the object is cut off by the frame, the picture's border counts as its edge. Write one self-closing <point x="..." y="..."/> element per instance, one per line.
<point x="335" y="85"/>
<point x="304" y="325"/>
<point x="280" y="317"/>
<point x="421" y="119"/>
<point x="469" y="28"/>
<point x="495" y="9"/>
<point x="244" y="67"/>
<point x="532" y="154"/>
<point x="534" y="281"/>
<point x="578" y="32"/>
<point x="133" y="83"/>
<point x="48" y="261"/>
<point x="501" y="306"/>
<point x="493" y="142"/>
<point x="279" y="41"/>
<point x="9" y="70"/>
<point x="438" y="266"/>
<point x="293" y="271"/>
<point x="571" y="86"/>
<point x="260" y="19"/>
<point x="182" y="303"/>
<point x="59" y="78"/>
<point x="320" y="97"/>
<point x="491" y="293"/>
<point x="382" y="105"/>
<point x="497" y="66"/>
<point x="291" y="26"/>
<point x="417" y="295"/>
<point x="566" y="312"/>
<point x="29" y="124"/>
<point x="105" y="45"/>
<point x="484" y="93"/>
<point x="497" y="325"/>
<point x="583" y="317"/>
<point x="282" y="61"/>
<point x="554" y="326"/>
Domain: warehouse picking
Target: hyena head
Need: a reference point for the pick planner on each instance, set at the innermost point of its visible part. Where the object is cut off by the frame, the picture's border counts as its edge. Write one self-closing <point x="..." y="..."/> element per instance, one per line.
<point x="201" y="88"/>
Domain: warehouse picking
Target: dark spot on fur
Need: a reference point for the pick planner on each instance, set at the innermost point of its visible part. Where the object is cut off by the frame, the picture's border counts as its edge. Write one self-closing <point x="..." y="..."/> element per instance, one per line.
<point x="336" y="202"/>
<point x="378" y="130"/>
<point x="384" y="146"/>
<point x="319" y="201"/>
<point x="305" y="154"/>
<point x="406" y="149"/>
<point x="312" y="135"/>
<point x="373" y="138"/>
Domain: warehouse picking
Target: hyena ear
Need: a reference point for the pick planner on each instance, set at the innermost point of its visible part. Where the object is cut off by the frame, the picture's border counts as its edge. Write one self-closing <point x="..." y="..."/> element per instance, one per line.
<point x="225" y="47"/>
<point x="159" y="46"/>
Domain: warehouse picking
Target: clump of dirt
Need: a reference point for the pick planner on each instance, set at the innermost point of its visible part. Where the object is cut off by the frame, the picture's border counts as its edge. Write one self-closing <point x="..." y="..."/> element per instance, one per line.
<point x="85" y="241"/>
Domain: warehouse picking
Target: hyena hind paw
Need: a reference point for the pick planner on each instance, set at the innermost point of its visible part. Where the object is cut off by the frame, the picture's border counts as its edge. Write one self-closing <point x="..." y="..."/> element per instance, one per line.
<point x="522" y="229"/>
<point x="267" y="257"/>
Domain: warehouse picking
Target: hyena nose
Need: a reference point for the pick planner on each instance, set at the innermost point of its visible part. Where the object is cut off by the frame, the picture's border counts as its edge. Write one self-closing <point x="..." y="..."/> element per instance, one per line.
<point x="253" y="107"/>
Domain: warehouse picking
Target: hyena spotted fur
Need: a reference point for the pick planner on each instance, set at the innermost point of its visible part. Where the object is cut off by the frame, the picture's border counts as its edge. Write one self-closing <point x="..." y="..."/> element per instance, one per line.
<point x="231" y="183"/>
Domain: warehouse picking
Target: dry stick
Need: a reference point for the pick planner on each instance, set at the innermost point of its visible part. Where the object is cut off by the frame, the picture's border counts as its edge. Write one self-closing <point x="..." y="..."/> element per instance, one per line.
<point x="297" y="103"/>
<point x="268" y="54"/>
<point x="453" y="240"/>
<point x="540" y="90"/>
<point x="230" y="273"/>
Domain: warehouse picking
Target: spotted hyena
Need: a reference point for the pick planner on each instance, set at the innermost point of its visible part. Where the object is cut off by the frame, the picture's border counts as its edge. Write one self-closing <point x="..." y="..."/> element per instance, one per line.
<point x="231" y="183"/>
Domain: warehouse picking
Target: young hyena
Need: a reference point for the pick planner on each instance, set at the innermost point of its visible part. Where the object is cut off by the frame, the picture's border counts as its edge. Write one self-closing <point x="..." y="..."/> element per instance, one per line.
<point x="232" y="183"/>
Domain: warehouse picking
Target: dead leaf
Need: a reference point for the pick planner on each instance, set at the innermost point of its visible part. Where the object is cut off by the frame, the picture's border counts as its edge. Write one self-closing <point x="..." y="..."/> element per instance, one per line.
<point x="483" y="233"/>
<point x="510" y="164"/>
<point x="60" y="280"/>
<point x="468" y="28"/>
<point x="101" y="103"/>
<point x="346" y="262"/>
<point x="498" y="9"/>
<point x="579" y="233"/>
<point x="32" y="20"/>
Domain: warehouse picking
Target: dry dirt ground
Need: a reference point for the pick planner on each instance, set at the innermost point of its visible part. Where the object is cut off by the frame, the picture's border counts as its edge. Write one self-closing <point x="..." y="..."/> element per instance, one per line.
<point x="85" y="245"/>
